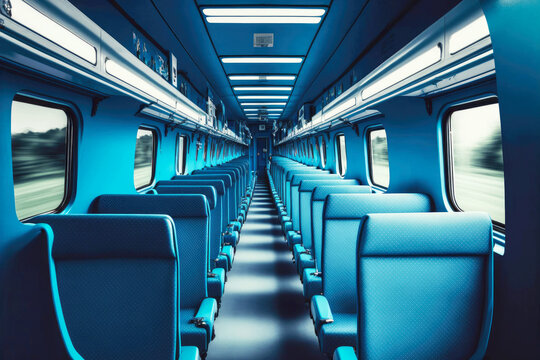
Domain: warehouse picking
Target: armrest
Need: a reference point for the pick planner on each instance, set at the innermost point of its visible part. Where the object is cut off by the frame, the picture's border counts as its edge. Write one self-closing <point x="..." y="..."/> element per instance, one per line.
<point x="297" y="250"/>
<point x="189" y="353"/>
<point x="320" y="310"/>
<point x="206" y="315"/>
<point x="216" y="283"/>
<point x="344" y="353"/>
<point x="228" y="251"/>
<point x="312" y="283"/>
<point x="293" y="238"/>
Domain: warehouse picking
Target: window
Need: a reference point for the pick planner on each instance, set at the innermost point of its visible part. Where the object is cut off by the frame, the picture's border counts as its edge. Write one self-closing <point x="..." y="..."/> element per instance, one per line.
<point x="341" y="155"/>
<point x="379" y="167"/>
<point x="220" y="146"/>
<point x="475" y="159"/>
<point x="322" y="150"/>
<point x="145" y="153"/>
<point x="41" y="139"/>
<point x="181" y="155"/>
<point x="205" y="154"/>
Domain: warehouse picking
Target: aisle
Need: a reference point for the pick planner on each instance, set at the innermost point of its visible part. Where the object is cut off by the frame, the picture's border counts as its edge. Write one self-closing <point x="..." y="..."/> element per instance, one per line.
<point x="263" y="315"/>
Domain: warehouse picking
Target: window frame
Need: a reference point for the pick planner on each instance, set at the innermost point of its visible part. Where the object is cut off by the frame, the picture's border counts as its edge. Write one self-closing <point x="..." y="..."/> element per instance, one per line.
<point x="71" y="146"/>
<point x="339" y="164"/>
<point x="184" y="153"/>
<point x="154" y="155"/>
<point x="369" y="130"/>
<point x="448" y="151"/>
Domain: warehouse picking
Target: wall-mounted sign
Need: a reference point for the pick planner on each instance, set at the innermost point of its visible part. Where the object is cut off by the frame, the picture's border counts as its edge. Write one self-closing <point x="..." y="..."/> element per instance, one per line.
<point x="174" y="69"/>
<point x="262" y="127"/>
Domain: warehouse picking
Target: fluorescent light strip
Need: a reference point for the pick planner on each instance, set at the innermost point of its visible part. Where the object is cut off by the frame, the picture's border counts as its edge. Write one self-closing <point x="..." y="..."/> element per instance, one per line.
<point x="264" y="104"/>
<point x="262" y="60"/>
<point x="262" y="88"/>
<point x="263" y="97"/>
<point x="261" y="11"/>
<point x="263" y="19"/>
<point x="415" y="65"/>
<point x="269" y="110"/>
<point x="468" y="35"/>
<point x="261" y="77"/>
<point x="129" y="77"/>
<point x="339" y="108"/>
<point x="27" y="16"/>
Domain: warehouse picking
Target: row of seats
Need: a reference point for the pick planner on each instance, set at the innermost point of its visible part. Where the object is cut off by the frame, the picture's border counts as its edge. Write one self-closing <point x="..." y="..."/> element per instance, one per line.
<point x="385" y="276"/>
<point x="142" y="275"/>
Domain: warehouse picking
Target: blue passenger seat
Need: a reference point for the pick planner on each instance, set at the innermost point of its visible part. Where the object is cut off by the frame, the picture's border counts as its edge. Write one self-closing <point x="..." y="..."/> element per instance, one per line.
<point x="334" y="312"/>
<point x="115" y="287"/>
<point x="216" y="278"/>
<point x="306" y="254"/>
<point x="221" y="254"/>
<point x="190" y="214"/>
<point x="424" y="287"/>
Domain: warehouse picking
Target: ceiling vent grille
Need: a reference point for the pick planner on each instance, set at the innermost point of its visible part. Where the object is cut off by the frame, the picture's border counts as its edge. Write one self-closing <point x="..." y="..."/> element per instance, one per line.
<point x="263" y="40"/>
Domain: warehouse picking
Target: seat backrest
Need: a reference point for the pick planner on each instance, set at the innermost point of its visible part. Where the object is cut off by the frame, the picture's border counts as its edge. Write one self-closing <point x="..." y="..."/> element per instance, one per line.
<point x="215" y="205"/>
<point x="190" y="215"/>
<point x="296" y="179"/>
<point x="318" y="196"/>
<point x="105" y="272"/>
<point x="289" y="176"/>
<point x="425" y="285"/>
<point x="234" y="189"/>
<point x="343" y="214"/>
<point x="218" y="184"/>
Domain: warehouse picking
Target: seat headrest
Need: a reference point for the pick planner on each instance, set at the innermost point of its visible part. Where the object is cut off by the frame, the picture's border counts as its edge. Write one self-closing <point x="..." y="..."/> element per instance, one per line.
<point x="176" y="206"/>
<point x="223" y="177"/>
<point x="206" y="190"/>
<point x="291" y="173"/>
<point x="218" y="184"/>
<point x="298" y="178"/>
<point x="428" y="234"/>
<point x="93" y="236"/>
<point x="309" y="185"/>
<point x="355" y="206"/>
<point x="321" y="192"/>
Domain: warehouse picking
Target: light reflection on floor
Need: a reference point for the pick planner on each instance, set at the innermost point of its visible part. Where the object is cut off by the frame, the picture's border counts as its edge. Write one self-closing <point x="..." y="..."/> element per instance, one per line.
<point x="263" y="314"/>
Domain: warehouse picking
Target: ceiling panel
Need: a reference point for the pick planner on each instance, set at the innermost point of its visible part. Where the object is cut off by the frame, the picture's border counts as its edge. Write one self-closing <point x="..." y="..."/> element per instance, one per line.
<point x="237" y="39"/>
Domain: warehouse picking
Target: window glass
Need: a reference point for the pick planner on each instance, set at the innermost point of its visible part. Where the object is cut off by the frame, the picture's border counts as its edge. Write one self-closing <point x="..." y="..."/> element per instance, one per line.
<point x="40" y="146"/>
<point x="378" y="158"/>
<point x="341" y="154"/>
<point x="181" y="156"/>
<point x="476" y="160"/>
<point x="205" y="149"/>
<point x="323" y="151"/>
<point x="144" y="158"/>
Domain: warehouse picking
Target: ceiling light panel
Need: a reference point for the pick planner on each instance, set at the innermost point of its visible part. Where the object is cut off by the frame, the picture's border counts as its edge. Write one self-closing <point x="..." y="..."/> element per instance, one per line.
<point x="263" y="11"/>
<point x="262" y="60"/>
<point x="262" y="88"/>
<point x="262" y="109"/>
<point x="263" y="97"/>
<point x="262" y="77"/>
<point x="263" y="20"/>
<point x="263" y="104"/>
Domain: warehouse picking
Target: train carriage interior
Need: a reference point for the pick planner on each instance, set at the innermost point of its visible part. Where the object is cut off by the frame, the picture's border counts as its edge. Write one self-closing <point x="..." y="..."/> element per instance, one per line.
<point x="251" y="179"/>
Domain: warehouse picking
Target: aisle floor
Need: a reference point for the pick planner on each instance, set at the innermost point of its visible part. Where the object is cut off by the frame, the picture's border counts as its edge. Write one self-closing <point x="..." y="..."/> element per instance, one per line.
<point x="263" y="314"/>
